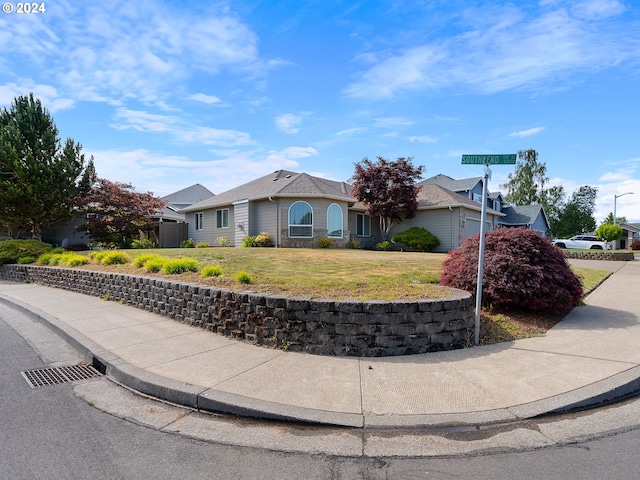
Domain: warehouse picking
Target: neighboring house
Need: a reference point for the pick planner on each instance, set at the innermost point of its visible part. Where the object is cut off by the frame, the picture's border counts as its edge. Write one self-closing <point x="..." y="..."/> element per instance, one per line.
<point x="172" y="227"/>
<point x="295" y="209"/>
<point x="532" y="217"/>
<point x="630" y="234"/>
<point x="168" y="233"/>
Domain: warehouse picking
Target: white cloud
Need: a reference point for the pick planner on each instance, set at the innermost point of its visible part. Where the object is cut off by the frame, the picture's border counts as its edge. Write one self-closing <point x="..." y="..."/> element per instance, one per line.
<point x="153" y="123"/>
<point x="215" y="136"/>
<point x="288" y="123"/>
<point x="208" y="99"/>
<point x="288" y="156"/>
<point x="423" y="139"/>
<point x="47" y="95"/>
<point x="593" y="9"/>
<point x="109" y="51"/>
<point x="526" y="133"/>
<point x="489" y="58"/>
<point x="349" y="131"/>
<point x="144" y="121"/>
<point x="392" y="122"/>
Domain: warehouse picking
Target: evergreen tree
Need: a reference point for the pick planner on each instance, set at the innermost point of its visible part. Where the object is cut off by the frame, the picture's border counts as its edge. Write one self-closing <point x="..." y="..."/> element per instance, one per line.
<point x="39" y="176"/>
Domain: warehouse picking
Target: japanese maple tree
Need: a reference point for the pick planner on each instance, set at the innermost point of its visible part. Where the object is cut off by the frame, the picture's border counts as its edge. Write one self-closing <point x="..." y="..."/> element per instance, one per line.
<point x="388" y="189"/>
<point x="116" y="214"/>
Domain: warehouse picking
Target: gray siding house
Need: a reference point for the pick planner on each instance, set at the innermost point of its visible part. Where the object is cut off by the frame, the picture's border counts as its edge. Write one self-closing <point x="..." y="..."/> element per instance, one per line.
<point x="297" y="209"/>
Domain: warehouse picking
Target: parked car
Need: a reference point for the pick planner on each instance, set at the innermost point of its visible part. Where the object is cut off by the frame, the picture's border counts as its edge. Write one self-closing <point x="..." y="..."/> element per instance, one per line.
<point x="582" y="241"/>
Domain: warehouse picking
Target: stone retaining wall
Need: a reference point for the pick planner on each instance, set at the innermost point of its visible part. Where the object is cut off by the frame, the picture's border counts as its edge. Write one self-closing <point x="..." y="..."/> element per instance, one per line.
<point x="323" y="327"/>
<point x="600" y="255"/>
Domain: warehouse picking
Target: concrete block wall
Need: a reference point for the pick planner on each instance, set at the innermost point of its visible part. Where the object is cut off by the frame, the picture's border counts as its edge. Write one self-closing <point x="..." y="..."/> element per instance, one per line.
<point x="600" y="255"/>
<point x="322" y="327"/>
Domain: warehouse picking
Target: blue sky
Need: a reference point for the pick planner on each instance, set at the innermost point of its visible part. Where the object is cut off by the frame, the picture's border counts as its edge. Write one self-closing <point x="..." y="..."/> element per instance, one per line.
<point x="166" y="94"/>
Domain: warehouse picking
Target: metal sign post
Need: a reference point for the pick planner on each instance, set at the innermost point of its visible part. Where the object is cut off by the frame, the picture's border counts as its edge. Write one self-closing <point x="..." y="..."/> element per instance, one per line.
<point x="485" y="160"/>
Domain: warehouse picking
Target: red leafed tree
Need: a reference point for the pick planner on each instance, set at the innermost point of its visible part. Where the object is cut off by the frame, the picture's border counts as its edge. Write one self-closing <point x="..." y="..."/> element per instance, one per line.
<point x="388" y="189"/>
<point x="115" y="214"/>
<point x="522" y="271"/>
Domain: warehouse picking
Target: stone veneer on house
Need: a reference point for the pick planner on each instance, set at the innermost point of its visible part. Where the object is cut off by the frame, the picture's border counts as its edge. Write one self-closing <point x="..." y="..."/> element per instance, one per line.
<point x="317" y="326"/>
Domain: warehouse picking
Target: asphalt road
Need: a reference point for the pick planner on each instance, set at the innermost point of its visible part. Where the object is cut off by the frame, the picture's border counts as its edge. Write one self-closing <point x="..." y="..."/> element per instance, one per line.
<point x="60" y="432"/>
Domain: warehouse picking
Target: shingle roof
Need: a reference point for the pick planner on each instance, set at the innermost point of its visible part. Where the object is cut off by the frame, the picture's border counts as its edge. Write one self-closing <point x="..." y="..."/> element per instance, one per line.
<point x="462" y="185"/>
<point x="281" y="183"/>
<point x="188" y="196"/>
<point x="520" y="214"/>
<point x="433" y="197"/>
<point x="436" y="196"/>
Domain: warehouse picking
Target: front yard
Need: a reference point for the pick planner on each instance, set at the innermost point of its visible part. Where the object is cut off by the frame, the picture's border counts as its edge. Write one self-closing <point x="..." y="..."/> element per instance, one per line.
<point x="346" y="274"/>
<point x="325" y="273"/>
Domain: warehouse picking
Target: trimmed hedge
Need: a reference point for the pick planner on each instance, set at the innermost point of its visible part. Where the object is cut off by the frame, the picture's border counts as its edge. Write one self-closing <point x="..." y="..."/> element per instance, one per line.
<point x="417" y="238"/>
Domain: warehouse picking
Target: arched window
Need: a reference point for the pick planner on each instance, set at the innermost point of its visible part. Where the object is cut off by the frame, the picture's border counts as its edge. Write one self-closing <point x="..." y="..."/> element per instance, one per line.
<point x="334" y="221"/>
<point x="301" y="220"/>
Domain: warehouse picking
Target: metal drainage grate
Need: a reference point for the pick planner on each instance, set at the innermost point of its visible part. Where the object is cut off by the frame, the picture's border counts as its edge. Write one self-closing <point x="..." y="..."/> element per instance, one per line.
<point x="55" y="375"/>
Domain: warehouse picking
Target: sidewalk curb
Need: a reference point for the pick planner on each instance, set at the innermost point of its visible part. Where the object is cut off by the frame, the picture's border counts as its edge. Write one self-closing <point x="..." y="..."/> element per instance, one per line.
<point x="609" y="390"/>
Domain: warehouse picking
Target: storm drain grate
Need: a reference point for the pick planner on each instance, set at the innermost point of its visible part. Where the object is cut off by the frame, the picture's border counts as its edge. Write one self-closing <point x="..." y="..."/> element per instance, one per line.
<point x="55" y="375"/>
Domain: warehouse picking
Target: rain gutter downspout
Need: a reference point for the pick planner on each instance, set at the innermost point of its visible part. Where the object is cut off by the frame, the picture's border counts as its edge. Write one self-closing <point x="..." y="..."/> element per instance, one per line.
<point x="277" y="221"/>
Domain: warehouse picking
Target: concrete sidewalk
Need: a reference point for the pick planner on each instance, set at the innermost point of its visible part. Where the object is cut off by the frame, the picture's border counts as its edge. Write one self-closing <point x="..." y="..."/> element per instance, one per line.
<point x="591" y="357"/>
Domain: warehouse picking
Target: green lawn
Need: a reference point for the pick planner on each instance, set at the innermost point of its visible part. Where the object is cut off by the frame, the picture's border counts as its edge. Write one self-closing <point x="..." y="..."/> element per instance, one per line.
<point x="326" y="273"/>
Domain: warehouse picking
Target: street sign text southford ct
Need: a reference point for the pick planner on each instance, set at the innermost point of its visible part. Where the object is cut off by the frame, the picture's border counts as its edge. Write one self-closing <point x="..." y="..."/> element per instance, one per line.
<point x="509" y="159"/>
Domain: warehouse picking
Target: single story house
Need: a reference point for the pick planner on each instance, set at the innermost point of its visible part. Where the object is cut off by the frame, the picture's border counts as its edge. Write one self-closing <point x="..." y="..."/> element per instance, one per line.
<point x="630" y="234"/>
<point x="296" y="209"/>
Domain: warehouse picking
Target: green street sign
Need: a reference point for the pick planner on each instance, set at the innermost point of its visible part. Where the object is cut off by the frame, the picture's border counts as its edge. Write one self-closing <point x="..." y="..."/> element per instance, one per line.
<point x="508" y="159"/>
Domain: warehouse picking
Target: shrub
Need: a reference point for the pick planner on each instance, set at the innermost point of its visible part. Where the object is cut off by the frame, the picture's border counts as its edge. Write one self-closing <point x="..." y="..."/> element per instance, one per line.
<point x="608" y="232"/>
<point x="223" y="241"/>
<point x="211" y="271"/>
<point x="179" y="265"/>
<point x="325" y="242"/>
<point x="11" y="251"/>
<point x="353" y="243"/>
<point x="110" y="257"/>
<point x="65" y="259"/>
<point x="26" y="260"/>
<point x="417" y="238"/>
<point x="187" y="243"/>
<point x="263" y="240"/>
<point x="146" y="243"/>
<point x="635" y="245"/>
<point x="384" y="246"/>
<point x="249" y="242"/>
<point x="522" y="271"/>
<point x="153" y="265"/>
<point x="202" y="245"/>
<point x="243" y="277"/>
<point x="141" y="260"/>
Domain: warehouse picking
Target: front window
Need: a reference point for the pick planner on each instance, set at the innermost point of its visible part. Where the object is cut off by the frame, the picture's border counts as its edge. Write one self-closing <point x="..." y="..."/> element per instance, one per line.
<point x="334" y="221"/>
<point x="363" y="225"/>
<point x="301" y="220"/>
<point x="199" y="220"/>
<point x="222" y="218"/>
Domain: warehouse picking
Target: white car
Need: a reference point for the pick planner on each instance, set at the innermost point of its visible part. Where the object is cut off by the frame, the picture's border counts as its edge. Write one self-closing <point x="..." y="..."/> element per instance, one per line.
<point x="582" y="241"/>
